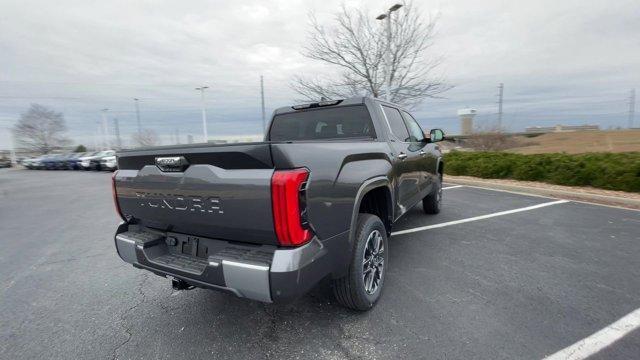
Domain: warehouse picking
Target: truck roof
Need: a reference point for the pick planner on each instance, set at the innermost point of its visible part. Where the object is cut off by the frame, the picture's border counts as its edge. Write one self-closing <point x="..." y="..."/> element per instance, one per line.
<point x="341" y="102"/>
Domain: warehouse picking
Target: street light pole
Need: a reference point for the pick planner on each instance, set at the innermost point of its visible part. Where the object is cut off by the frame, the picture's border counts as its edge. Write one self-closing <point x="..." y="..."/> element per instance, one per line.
<point x="116" y="127"/>
<point x="105" y="132"/>
<point x="387" y="53"/>
<point x="138" y="116"/>
<point x="264" y="126"/>
<point x="13" y="149"/>
<point x="204" y="113"/>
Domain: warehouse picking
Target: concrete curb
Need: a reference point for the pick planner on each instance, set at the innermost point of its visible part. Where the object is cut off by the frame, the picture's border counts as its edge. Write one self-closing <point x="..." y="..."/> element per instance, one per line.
<point x="618" y="201"/>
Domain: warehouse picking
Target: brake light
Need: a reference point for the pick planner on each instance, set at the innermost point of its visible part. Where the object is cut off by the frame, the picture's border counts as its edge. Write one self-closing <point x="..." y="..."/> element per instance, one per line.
<point x="115" y="195"/>
<point x="288" y="201"/>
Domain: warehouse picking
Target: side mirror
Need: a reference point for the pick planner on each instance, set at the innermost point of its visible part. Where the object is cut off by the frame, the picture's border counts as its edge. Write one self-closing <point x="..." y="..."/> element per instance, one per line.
<point x="436" y="135"/>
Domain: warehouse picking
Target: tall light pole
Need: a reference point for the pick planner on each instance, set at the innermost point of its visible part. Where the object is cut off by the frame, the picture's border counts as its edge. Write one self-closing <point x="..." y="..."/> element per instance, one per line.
<point x="138" y="116"/>
<point x="264" y="125"/>
<point x="13" y="149"/>
<point x="632" y="107"/>
<point x="387" y="53"/>
<point x="500" y="95"/>
<point x="204" y="113"/>
<point x="105" y="132"/>
<point x="116" y="127"/>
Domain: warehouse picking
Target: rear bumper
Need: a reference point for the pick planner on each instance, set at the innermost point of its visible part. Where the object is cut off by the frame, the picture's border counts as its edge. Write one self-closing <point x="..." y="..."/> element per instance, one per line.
<point x="258" y="272"/>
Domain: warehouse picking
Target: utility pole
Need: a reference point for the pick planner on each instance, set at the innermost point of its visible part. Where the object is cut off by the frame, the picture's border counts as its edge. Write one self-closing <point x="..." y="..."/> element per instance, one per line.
<point x="178" y="136"/>
<point x="500" y="92"/>
<point x="138" y="116"/>
<point x="264" y="125"/>
<point x="95" y="140"/>
<point x="13" y="149"/>
<point x="116" y="125"/>
<point x="632" y="107"/>
<point x="204" y="113"/>
<point x="387" y="53"/>
<point x="105" y="131"/>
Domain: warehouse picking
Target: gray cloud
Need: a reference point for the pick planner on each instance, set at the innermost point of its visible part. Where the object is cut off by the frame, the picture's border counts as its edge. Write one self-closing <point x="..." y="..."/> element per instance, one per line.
<point x="570" y="61"/>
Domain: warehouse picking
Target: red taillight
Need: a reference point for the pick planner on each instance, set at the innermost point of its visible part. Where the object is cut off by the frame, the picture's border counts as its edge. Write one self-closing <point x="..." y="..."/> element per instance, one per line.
<point x="287" y="196"/>
<point x="115" y="195"/>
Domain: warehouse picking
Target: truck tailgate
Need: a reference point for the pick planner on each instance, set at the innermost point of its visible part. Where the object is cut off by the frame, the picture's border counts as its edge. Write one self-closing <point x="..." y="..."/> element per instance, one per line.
<point x="223" y="192"/>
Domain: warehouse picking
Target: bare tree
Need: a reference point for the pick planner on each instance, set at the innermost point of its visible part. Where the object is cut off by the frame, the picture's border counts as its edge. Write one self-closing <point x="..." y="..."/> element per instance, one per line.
<point x="491" y="138"/>
<point x="356" y="45"/>
<point x="41" y="129"/>
<point x="146" y="137"/>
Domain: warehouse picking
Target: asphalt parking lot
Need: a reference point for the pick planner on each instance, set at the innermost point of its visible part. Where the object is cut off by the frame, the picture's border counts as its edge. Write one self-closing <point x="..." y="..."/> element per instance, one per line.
<point x="516" y="285"/>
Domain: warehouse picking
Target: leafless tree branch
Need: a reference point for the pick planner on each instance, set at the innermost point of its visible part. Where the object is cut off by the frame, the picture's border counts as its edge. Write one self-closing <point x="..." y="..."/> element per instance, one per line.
<point x="147" y="137"/>
<point x="357" y="44"/>
<point x="41" y="129"/>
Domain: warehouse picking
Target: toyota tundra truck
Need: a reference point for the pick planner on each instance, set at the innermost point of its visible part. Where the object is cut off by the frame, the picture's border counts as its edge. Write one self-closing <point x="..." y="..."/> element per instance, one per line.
<point x="317" y="199"/>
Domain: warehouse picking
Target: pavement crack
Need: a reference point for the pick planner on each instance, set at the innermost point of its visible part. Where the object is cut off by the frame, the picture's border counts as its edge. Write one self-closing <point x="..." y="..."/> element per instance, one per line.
<point x="127" y="329"/>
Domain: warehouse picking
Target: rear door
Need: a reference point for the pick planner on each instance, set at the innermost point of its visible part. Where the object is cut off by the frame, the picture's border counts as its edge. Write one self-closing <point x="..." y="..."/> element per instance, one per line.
<point x="426" y="163"/>
<point x="406" y="161"/>
<point x="221" y="192"/>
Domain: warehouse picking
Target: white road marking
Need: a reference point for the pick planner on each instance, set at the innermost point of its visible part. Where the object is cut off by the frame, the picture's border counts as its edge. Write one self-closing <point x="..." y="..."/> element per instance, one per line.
<point x="476" y="218"/>
<point x="547" y="197"/>
<point x="452" y="187"/>
<point x="510" y="192"/>
<point x="601" y="339"/>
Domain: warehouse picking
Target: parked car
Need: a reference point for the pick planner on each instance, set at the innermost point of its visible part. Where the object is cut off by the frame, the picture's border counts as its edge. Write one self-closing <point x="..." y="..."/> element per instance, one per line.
<point x="32" y="163"/>
<point x="269" y="220"/>
<point x="62" y="162"/>
<point x="73" y="162"/>
<point x="5" y="163"/>
<point x="109" y="163"/>
<point x="52" y="162"/>
<point x="85" y="161"/>
<point x="95" y="163"/>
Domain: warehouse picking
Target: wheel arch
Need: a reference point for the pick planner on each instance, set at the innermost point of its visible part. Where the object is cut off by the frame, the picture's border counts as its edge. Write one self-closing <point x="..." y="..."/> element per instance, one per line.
<point x="380" y="188"/>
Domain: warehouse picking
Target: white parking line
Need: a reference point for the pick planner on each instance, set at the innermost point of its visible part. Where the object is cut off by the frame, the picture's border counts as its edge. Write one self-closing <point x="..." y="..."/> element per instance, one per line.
<point x="475" y="218"/>
<point x="509" y="191"/>
<point x="547" y="197"/>
<point x="598" y="341"/>
<point x="452" y="187"/>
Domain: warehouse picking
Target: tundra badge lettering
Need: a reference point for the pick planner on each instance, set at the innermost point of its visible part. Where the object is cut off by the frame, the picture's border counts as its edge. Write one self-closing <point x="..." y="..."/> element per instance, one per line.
<point x="172" y="163"/>
<point x="180" y="202"/>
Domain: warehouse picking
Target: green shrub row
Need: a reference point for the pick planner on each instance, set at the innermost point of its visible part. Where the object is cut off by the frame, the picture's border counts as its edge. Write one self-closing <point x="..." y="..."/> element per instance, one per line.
<point x="614" y="171"/>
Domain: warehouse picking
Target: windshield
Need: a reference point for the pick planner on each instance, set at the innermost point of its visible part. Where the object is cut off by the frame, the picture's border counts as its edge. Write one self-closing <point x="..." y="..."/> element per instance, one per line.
<point x="323" y="123"/>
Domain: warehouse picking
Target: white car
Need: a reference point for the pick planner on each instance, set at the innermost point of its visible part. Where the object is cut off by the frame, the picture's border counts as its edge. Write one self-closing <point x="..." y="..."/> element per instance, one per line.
<point x="85" y="161"/>
<point x="108" y="163"/>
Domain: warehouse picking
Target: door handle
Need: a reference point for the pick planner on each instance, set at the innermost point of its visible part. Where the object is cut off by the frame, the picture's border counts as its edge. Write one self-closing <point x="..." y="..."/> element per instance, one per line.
<point x="422" y="153"/>
<point x="402" y="156"/>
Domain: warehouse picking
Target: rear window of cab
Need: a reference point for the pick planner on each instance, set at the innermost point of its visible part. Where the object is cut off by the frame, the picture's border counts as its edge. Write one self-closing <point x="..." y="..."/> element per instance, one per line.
<point x="342" y="122"/>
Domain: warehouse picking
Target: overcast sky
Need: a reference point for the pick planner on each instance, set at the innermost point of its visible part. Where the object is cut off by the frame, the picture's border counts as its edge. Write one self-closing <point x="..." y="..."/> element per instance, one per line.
<point x="566" y="61"/>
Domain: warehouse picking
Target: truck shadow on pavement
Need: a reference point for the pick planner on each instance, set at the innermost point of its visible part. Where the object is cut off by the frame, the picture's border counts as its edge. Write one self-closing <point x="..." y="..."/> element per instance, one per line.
<point x="200" y="322"/>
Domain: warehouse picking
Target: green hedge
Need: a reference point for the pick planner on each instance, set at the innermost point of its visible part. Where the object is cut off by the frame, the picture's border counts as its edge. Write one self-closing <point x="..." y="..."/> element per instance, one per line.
<point x="614" y="171"/>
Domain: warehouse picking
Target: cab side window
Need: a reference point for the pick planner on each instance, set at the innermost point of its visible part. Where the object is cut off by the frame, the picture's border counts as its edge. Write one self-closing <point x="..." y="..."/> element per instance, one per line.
<point x="415" y="131"/>
<point x="398" y="127"/>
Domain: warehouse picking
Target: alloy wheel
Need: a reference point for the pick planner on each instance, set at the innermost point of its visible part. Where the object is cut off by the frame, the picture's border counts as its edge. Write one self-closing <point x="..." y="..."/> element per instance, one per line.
<point x="373" y="262"/>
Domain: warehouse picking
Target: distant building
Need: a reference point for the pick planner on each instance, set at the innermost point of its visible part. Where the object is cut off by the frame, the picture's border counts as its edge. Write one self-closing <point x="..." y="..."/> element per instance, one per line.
<point x="466" y="120"/>
<point x="561" y="128"/>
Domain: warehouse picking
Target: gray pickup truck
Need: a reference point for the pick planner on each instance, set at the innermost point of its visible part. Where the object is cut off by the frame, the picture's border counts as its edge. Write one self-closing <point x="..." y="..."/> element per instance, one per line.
<point x="269" y="220"/>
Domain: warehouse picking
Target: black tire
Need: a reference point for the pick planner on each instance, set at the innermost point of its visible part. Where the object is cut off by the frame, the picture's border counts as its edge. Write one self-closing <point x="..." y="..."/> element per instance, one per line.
<point x="351" y="290"/>
<point x="432" y="203"/>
